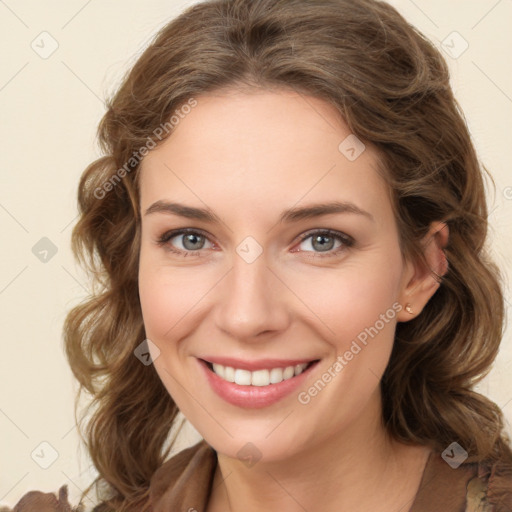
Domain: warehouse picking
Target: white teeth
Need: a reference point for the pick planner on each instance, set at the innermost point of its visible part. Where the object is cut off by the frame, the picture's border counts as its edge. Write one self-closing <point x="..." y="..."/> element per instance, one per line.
<point x="219" y="370"/>
<point x="229" y="374"/>
<point x="242" y="377"/>
<point x="276" y="375"/>
<point x="288" y="372"/>
<point x="258" y="377"/>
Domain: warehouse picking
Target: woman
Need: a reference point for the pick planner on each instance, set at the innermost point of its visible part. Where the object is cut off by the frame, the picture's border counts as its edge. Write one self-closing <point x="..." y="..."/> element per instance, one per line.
<point x="288" y="232"/>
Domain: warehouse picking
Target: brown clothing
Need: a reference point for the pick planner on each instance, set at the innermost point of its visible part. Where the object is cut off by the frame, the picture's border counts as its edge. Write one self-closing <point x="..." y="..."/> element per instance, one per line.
<point x="184" y="483"/>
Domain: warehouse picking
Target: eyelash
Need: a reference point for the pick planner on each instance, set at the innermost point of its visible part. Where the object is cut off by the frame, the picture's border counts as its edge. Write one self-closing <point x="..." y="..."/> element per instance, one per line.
<point x="347" y="241"/>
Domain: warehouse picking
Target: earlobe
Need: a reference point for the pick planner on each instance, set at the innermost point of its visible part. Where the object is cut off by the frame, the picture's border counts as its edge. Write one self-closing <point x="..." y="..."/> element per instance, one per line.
<point x="423" y="280"/>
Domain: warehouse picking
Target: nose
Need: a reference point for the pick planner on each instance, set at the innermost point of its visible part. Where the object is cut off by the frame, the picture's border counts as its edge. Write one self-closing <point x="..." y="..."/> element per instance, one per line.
<point x="253" y="303"/>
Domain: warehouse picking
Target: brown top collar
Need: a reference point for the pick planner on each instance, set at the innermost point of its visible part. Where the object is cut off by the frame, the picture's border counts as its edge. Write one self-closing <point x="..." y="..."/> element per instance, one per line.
<point x="185" y="481"/>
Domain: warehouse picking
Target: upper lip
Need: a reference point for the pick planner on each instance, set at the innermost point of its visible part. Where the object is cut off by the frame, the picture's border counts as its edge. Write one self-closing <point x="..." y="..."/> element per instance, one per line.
<point x="256" y="364"/>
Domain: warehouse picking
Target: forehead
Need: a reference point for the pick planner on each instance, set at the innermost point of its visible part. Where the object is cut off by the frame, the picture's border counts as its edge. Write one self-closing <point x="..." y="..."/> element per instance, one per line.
<point x="261" y="148"/>
<point x="238" y="123"/>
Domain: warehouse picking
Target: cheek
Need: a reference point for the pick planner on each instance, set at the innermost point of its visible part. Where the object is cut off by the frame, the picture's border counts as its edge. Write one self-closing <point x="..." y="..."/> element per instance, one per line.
<point x="348" y="301"/>
<point x="359" y="306"/>
<point x="158" y="304"/>
<point x="168" y="296"/>
<point x="165" y="301"/>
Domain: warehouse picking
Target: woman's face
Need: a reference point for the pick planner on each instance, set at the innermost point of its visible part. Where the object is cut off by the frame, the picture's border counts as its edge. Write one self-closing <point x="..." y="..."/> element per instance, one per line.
<point x="257" y="284"/>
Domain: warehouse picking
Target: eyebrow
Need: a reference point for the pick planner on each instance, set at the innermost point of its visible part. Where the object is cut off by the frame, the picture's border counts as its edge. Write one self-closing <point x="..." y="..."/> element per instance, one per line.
<point x="288" y="216"/>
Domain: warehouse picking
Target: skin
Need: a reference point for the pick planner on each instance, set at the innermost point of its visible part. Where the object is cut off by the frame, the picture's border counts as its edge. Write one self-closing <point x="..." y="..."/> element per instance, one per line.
<point x="248" y="156"/>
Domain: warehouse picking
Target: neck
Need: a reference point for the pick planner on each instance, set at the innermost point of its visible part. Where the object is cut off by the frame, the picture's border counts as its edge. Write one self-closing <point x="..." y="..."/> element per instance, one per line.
<point x="361" y="468"/>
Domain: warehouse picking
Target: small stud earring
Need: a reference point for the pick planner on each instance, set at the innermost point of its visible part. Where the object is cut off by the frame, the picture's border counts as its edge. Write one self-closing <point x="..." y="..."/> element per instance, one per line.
<point x="408" y="308"/>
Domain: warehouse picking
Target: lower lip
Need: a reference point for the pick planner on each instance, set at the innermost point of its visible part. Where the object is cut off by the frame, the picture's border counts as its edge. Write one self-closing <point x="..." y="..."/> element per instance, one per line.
<point x="253" y="397"/>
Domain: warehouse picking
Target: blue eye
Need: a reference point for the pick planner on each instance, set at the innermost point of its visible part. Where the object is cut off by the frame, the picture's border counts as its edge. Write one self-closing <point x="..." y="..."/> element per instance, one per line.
<point x="193" y="241"/>
<point x="324" y="241"/>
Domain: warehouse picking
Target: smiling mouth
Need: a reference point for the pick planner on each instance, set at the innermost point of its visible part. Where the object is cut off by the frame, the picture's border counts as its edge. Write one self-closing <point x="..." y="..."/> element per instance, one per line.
<point x="263" y="377"/>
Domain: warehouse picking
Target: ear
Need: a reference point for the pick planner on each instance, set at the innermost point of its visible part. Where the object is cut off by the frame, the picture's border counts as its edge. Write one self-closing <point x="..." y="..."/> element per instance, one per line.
<point x="420" y="282"/>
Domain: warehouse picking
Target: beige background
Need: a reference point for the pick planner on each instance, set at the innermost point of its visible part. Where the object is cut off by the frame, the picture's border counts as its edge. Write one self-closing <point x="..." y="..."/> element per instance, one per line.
<point x="50" y="108"/>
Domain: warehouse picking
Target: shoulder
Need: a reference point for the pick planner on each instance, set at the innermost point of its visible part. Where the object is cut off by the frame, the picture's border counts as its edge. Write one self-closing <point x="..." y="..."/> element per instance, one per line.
<point x="496" y="489"/>
<point x="38" y="501"/>
<point x="469" y="487"/>
<point x="184" y="479"/>
<point x="44" y="502"/>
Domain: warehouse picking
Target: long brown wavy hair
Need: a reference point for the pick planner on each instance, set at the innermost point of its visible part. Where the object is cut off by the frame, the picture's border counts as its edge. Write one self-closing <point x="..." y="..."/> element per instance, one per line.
<point x="391" y="86"/>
